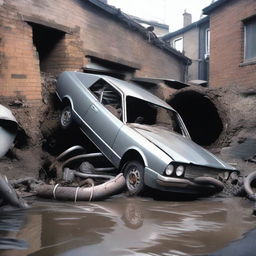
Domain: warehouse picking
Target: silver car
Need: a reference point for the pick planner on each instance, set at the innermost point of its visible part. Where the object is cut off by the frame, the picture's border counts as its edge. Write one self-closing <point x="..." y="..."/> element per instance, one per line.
<point x="141" y="135"/>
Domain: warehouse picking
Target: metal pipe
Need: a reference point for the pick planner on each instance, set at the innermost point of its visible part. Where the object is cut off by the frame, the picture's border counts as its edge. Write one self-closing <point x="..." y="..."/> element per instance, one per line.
<point x="105" y="169"/>
<point x="91" y="175"/>
<point x="98" y="192"/>
<point x="68" y="151"/>
<point x="90" y="155"/>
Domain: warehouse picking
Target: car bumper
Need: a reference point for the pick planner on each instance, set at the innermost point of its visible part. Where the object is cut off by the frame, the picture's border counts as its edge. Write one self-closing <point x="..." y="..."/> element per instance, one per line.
<point x="198" y="185"/>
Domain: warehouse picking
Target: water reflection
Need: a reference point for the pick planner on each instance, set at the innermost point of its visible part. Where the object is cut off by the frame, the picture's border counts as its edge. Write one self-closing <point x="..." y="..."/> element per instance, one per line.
<point x="10" y="223"/>
<point x="245" y="246"/>
<point x="133" y="226"/>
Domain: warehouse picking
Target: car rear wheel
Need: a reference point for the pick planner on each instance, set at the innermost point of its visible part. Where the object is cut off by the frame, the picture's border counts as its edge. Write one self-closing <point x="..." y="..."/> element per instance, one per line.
<point x="66" y="117"/>
<point x="134" y="177"/>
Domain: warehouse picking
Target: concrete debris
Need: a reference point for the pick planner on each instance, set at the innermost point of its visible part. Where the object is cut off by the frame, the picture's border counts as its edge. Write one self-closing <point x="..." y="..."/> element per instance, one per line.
<point x="8" y="195"/>
<point x="8" y="129"/>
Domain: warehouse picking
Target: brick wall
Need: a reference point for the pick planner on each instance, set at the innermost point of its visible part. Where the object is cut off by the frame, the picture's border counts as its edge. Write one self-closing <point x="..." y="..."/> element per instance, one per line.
<point x="87" y="29"/>
<point x="19" y="69"/>
<point x="226" y="51"/>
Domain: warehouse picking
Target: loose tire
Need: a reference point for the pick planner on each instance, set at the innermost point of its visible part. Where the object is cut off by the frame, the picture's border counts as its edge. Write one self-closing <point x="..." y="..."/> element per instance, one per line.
<point x="248" y="181"/>
<point x="66" y="117"/>
<point x="134" y="177"/>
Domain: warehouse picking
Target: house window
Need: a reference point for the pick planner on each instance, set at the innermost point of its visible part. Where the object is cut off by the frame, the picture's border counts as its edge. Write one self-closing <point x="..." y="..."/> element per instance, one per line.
<point x="178" y="44"/>
<point x="250" y="39"/>
<point x="207" y="42"/>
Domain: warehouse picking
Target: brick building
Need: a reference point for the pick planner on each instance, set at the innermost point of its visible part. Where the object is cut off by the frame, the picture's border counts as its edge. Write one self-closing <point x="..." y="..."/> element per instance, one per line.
<point x="233" y="43"/>
<point x="53" y="36"/>
<point x="193" y="41"/>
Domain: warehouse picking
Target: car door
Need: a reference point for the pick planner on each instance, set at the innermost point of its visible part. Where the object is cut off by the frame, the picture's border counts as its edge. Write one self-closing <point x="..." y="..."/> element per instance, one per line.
<point x="104" y="117"/>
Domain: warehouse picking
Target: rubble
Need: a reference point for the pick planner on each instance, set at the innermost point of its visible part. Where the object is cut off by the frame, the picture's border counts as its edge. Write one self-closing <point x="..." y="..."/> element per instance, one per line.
<point x="40" y="139"/>
<point x="9" y="196"/>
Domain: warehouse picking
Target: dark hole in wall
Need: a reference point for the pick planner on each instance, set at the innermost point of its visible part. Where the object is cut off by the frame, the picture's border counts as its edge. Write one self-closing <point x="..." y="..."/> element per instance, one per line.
<point x="46" y="40"/>
<point x="21" y="138"/>
<point x="59" y="140"/>
<point x="200" y="116"/>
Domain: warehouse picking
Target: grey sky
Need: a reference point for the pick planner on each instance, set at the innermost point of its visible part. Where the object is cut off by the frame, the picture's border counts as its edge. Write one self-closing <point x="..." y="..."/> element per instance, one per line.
<point x="164" y="11"/>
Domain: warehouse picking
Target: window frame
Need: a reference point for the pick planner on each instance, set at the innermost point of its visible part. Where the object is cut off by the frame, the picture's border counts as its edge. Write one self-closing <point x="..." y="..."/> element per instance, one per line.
<point x="247" y="59"/>
<point x="101" y="96"/>
<point x="207" y="41"/>
<point x="176" y="40"/>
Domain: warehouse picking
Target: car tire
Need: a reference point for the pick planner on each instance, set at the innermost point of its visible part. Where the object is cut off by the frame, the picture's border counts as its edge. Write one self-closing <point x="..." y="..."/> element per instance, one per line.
<point x="66" y="119"/>
<point x="134" y="177"/>
<point x="248" y="181"/>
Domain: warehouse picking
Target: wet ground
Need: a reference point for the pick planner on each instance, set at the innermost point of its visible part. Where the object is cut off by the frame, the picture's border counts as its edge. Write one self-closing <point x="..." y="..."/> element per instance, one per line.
<point x="130" y="226"/>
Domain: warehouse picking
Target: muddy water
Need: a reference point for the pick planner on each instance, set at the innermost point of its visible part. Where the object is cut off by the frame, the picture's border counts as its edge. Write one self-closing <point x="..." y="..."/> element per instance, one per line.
<point x="127" y="226"/>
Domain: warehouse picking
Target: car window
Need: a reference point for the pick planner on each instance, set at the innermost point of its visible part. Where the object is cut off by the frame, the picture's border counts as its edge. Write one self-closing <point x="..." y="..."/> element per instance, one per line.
<point x="143" y="112"/>
<point x="108" y="96"/>
<point x="98" y="88"/>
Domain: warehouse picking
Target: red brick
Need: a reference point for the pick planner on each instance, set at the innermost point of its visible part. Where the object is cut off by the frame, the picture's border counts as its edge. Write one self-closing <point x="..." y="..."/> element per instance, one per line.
<point x="227" y="37"/>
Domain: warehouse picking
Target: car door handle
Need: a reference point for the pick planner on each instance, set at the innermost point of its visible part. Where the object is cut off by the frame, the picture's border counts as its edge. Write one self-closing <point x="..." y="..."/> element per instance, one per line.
<point x="94" y="108"/>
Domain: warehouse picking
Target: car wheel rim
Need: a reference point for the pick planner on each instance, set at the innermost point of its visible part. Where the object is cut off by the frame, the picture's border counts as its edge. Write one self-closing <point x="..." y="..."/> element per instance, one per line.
<point x="66" y="117"/>
<point x="133" y="179"/>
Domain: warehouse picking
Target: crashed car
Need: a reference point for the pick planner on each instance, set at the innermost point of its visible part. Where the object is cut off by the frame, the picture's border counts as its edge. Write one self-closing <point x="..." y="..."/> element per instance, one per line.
<point x="141" y="135"/>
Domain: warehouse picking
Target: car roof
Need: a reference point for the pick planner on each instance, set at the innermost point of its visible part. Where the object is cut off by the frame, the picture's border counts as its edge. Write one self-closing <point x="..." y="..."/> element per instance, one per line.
<point x="128" y="88"/>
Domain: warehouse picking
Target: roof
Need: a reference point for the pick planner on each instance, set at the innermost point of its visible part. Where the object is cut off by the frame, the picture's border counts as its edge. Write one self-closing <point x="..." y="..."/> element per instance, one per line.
<point x="169" y="82"/>
<point x="150" y="22"/>
<point x="128" y="88"/>
<point x="207" y="10"/>
<point x="134" y="90"/>
<point x="132" y="24"/>
<point x="185" y="29"/>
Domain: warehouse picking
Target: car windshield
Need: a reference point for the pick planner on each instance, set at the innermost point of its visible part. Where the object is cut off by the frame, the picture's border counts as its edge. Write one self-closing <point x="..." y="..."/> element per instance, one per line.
<point x="146" y="113"/>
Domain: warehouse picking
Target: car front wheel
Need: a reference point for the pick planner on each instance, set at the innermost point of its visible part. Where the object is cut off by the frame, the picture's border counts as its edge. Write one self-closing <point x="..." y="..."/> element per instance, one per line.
<point x="134" y="177"/>
<point x="66" y="117"/>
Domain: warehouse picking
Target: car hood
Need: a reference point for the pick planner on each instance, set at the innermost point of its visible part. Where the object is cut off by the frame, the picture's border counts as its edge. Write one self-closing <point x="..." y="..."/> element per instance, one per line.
<point x="179" y="148"/>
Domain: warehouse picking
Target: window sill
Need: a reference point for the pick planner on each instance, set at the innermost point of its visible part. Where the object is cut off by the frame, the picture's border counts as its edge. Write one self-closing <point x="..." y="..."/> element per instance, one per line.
<point x="248" y="62"/>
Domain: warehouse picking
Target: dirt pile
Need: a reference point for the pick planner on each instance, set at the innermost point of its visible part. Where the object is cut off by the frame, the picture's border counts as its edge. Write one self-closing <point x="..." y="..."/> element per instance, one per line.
<point x="26" y="157"/>
<point x="223" y="120"/>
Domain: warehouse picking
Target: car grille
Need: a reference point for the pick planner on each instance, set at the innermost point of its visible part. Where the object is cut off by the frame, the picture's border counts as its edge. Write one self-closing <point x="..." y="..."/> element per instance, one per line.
<point x="200" y="171"/>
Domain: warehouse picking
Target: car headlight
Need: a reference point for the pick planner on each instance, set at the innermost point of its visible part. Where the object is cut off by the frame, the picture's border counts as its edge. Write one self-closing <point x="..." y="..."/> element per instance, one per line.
<point x="169" y="170"/>
<point x="180" y="170"/>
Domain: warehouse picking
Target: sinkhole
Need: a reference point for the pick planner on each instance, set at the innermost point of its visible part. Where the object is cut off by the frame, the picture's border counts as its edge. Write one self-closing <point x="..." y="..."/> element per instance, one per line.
<point x="200" y="116"/>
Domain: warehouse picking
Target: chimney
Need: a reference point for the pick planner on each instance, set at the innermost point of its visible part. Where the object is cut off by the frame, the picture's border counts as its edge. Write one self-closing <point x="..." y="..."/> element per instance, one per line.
<point x="187" y="18"/>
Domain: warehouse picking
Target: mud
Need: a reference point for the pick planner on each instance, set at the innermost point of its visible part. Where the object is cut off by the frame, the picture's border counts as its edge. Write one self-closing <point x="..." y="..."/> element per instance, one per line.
<point x="129" y="226"/>
<point x="26" y="157"/>
<point x="40" y="137"/>
<point x="121" y="225"/>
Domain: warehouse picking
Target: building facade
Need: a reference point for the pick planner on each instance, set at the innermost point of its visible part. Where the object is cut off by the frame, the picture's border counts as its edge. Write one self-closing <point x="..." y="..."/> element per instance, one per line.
<point x="91" y="36"/>
<point x="193" y="41"/>
<point x="233" y="43"/>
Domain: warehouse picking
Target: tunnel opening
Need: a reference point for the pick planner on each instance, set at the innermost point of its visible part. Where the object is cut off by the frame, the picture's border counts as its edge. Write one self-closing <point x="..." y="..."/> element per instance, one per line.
<point x="200" y="116"/>
<point x="50" y="46"/>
